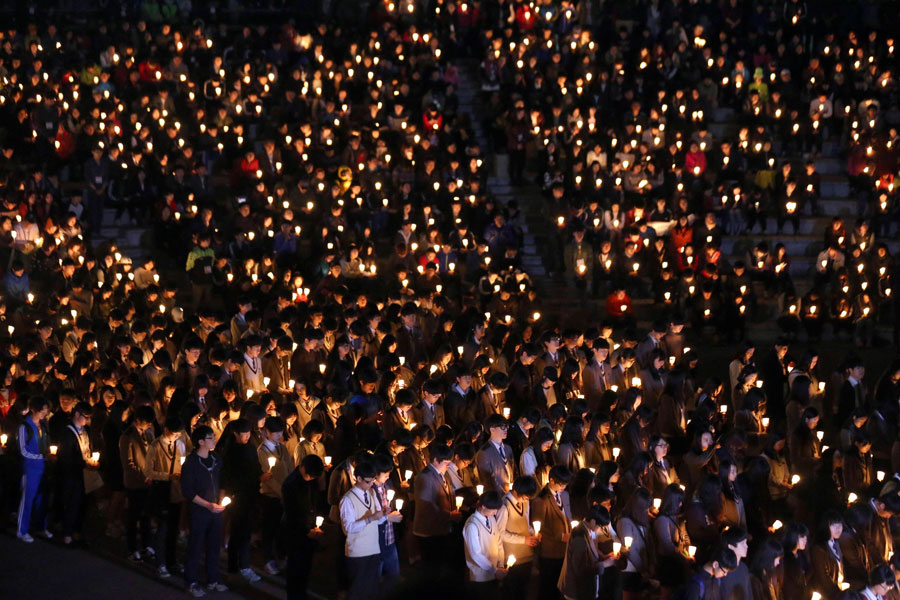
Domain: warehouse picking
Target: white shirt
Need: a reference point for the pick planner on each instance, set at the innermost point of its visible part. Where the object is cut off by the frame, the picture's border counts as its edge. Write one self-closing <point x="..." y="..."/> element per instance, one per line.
<point x="484" y="550"/>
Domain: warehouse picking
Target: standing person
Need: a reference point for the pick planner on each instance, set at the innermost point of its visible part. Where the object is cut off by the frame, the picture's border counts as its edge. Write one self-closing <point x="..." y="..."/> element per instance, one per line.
<point x="483" y="547"/>
<point x="276" y="463"/>
<point x="705" y="584"/>
<point x="387" y="540"/>
<point x="241" y="473"/>
<point x="133" y="447"/>
<point x="434" y="509"/>
<point x="32" y="446"/>
<point x="584" y="564"/>
<point x="361" y="515"/>
<point x="519" y="539"/>
<point x="495" y="459"/>
<point x="551" y="508"/>
<point x="163" y="469"/>
<point x="200" y="484"/>
<point x="738" y="582"/>
<point x="299" y="494"/>
<point x="74" y="457"/>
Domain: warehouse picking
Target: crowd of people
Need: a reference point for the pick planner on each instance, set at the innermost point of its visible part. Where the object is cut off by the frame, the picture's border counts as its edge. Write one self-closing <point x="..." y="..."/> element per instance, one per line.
<point x="333" y="355"/>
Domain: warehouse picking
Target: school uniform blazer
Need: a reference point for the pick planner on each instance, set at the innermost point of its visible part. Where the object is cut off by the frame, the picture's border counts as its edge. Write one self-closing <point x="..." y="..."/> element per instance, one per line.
<point x="434" y="503"/>
<point x="594" y="378"/>
<point x="494" y="472"/>
<point x="555" y="522"/>
<point x="422" y="415"/>
<point x="826" y="570"/>
<point x="580" y="574"/>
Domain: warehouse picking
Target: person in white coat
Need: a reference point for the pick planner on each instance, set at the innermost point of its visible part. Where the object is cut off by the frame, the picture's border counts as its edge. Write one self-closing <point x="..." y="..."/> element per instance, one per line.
<point x="485" y="558"/>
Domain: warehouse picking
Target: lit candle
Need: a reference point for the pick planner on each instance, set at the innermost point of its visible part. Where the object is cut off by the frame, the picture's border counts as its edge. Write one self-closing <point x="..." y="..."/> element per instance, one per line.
<point x="319" y="521"/>
<point x="328" y="463"/>
<point x="225" y="501"/>
<point x="616" y="452"/>
<point x="628" y="539"/>
<point x="795" y="479"/>
<point x="459" y="501"/>
<point x="510" y="560"/>
<point x="536" y="525"/>
<point x="95" y="456"/>
<point x="851" y="498"/>
<point x="3" y="438"/>
<point x="777" y="525"/>
<point x="479" y="489"/>
<point x="399" y="504"/>
<point x="820" y="435"/>
<point x="272" y="461"/>
<point x="617" y="547"/>
<point x="657" y="502"/>
<point x="53" y="449"/>
<point x="407" y="474"/>
<point x="880" y="475"/>
<point x="692" y="550"/>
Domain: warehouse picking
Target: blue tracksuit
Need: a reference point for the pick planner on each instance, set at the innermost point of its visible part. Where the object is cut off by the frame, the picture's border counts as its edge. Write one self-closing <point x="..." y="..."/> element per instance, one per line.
<point x="31" y="507"/>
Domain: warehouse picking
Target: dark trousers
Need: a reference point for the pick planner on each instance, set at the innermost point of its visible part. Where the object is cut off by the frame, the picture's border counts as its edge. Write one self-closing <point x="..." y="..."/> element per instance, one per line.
<point x="205" y="537"/>
<point x="299" y="565"/>
<point x="73" y="498"/>
<point x="364" y="572"/>
<point x="515" y="584"/>
<point x="242" y="511"/>
<point x="483" y="590"/>
<point x="435" y="551"/>
<point x="136" y="516"/>
<point x="271" y="522"/>
<point x="168" y="518"/>
<point x="549" y="571"/>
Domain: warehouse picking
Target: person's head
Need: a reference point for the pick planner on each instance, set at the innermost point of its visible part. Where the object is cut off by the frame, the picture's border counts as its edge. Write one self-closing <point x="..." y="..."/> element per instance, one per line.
<point x="441" y="456"/>
<point x="524" y="486"/>
<point x="672" y="500"/>
<point x="489" y="503"/>
<point x="274" y="429"/>
<point x="881" y="580"/>
<point x="365" y="474"/>
<point x="721" y="563"/>
<point x="596" y="518"/>
<point x="144" y="417"/>
<point x="560" y="476"/>
<point x="311" y="467"/>
<point x="832" y="524"/>
<point x="81" y="414"/>
<point x="735" y="539"/>
<point x="240" y="428"/>
<point x="796" y="536"/>
<point x="203" y="439"/>
<point x="497" y="426"/>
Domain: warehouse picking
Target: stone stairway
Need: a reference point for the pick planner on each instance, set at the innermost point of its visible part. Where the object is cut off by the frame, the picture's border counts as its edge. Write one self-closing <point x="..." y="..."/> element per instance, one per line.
<point x="128" y="238"/>
<point x="499" y="185"/>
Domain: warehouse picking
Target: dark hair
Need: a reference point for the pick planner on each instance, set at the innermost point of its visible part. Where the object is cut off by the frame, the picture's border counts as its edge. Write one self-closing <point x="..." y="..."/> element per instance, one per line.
<point x="440" y="453"/>
<point x="174" y="424"/>
<point x="364" y="470"/>
<point x="881" y="575"/>
<point x="726" y="558"/>
<point x="672" y="501"/>
<point x="313" y="466"/>
<point x="561" y="474"/>
<point x="525" y="485"/>
<point x="491" y="500"/>
<point x="200" y="432"/>
<point x="274" y="424"/>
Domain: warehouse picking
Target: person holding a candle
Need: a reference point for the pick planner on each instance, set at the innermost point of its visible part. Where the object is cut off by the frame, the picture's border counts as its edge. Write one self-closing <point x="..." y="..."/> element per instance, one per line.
<point x="859" y="469"/>
<point x="551" y="508"/>
<point x="435" y="509"/>
<point x="241" y="474"/>
<point x="671" y="540"/>
<point x="584" y="563"/>
<point x="737" y="583"/>
<point x="519" y="539"/>
<point x="387" y="539"/>
<point x="495" y="460"/>
<point x="276" y="463"/>
<point x="705" y="585"/>
<point x="32" y="441"/>
<point x="133" y="447"/>
<point x="635" y="524"/>
<point x="484" y="553"/>
<point x="797" y="569"/>
<point x="163" y="469"/>
<point x="827" y="558"/>
<point x="75" y="458"/>
<point x="200" y="476"/>
<point x="361" y="515"/>
<point x="299" y="493"/>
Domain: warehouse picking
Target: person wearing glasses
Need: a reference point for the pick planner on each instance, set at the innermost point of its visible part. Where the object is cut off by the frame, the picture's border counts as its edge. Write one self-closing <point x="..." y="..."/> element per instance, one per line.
<point x="361" y="516"/>
<point x="200" y="485"/>
<point x="495" y="460"/>
<point x="705" y="584"/>
<point x="881" y="581"/>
